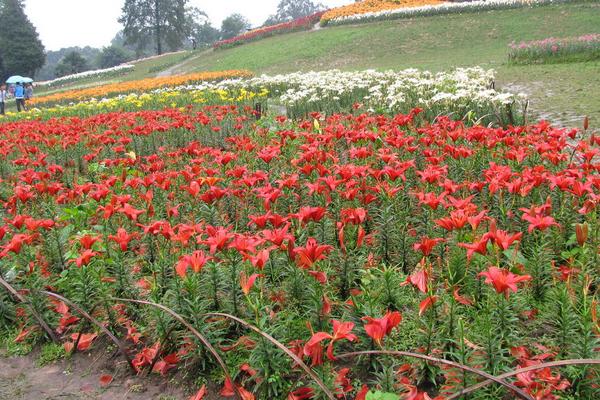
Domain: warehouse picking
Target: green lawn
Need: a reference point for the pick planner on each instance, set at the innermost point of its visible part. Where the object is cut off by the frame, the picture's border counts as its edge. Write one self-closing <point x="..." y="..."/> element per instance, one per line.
<point x="439" y="43"/>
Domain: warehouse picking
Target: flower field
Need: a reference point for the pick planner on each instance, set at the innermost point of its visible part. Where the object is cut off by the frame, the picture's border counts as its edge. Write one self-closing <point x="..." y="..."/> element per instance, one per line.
<point x="134" y="86"/>
<point x="379" y="10"/>
<point x="466" y="93"/>
<point x="582" y="48"/>
<point x="299" y="24"/>
<point x="373" y="6"/>
<point x="398" y="237"/>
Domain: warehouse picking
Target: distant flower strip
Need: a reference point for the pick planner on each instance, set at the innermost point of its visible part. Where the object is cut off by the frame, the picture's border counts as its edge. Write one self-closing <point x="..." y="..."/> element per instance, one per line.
<point x="98" y="73"/>
<point x="300" y="24"/>
<point x="156" y="99"/>
<point x="138" y="86"/>
<point x="373" y="6"/>
<point x="582" y="48"/>
<point x="437" y="9"/>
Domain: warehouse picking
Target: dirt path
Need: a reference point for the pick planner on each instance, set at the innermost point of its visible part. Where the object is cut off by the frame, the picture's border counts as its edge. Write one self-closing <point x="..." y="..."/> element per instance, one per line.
<point x="79" y="378"/>
<point x="173" y="70"/>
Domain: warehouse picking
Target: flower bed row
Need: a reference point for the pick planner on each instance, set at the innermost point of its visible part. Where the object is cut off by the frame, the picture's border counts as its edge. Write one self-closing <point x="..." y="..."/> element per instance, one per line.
<point x="373" y="6"/>
<point x="467" y="245"/>
<point x="439" y="9"/>
<point x="96" y="74"/>
<point x="153" y="100"/>
<point x="465" y="92"/>
<point x="305" y="23"/>
<point x="137" y="86"/>
<point x="582" y="48"/>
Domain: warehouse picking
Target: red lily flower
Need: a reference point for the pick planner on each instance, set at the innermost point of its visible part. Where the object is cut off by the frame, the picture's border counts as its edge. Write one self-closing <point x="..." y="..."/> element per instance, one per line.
<point x="218" y="238"/>
<point x="378" y="328"/>
<point x="311" y="253"/>
<point x="503" y="239"/>
<point x="479" y="247"/>
<point x="353" y="216"/>
<point x="307" y="214"/>
<point x="87" y="241"/>
<point x="197" y="260"/>
<point x="200" y="393"/>
<point x="425" y="304"/>
<point x="131" y="212"/>
<point x="85" y="257"/>
<point x="229" y="391"/>
<point x="122" y="238"/>
<point x="248" y="282"/>
<point x="503" y="280"/>
<point x="303" y="393"/>
<point x="278" y="235"/>
<point x="541" y="222"/>
<point x="419" y="279"/>
<point x="258" y="260"/>
<point x="426" y="245"/>
<point x="15" y="244"/>
<point x="341" y="331"/>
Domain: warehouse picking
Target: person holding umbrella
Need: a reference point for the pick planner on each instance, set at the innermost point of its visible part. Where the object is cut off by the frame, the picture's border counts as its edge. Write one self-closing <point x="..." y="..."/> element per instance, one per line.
<point x="19" y="91"/>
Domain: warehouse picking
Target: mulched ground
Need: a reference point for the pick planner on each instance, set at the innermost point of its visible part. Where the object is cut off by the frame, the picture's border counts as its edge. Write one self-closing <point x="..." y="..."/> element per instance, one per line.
<point x="79" y="378"/>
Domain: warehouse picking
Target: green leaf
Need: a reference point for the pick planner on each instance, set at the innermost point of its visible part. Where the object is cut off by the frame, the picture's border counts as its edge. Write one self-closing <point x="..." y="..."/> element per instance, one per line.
<point x="517" y="257"/>
<point x="381" y="396"/>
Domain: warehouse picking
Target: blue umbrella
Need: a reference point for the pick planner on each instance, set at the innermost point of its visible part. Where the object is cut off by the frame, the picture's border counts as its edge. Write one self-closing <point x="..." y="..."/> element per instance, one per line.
<point x="27" y="80"/>
<point x="15" y="79"/>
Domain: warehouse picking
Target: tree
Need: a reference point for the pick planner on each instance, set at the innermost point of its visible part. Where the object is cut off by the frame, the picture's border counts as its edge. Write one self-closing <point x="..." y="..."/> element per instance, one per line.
<point x="1" y="66"/>
<point x="289" y="10"/>
<point x="166" y="22"/>
<point x="234" y="25"/>
<point x="205" y="34"/>
<point x="72" y="63"/>
<point x="112" y="56"/>
<point x="47" y="72"/>
<point x="22" y="50"/>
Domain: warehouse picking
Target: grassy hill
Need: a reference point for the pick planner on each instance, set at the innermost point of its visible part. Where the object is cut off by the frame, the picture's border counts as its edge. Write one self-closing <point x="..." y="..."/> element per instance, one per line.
<point x="437" y="42"/>
<point x="561" y="92"/>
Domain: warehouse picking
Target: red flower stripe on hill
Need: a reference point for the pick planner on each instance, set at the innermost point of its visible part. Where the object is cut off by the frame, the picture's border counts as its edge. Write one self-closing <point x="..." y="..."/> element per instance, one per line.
<point x="299" y="24"/>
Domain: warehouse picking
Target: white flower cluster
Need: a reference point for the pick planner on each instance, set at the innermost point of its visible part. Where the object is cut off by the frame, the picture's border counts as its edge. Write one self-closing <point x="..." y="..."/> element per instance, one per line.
<point x="97" y="73"/>
<point x="394" y="91"/>
<point x="444" y="8"/>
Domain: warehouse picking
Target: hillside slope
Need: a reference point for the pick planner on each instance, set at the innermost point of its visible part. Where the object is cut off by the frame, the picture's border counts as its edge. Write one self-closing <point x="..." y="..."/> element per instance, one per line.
<point x="439" y="43"/>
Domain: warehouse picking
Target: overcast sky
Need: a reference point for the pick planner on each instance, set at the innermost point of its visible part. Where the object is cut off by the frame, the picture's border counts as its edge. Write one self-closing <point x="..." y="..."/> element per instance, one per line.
<point x="64" y="23"/>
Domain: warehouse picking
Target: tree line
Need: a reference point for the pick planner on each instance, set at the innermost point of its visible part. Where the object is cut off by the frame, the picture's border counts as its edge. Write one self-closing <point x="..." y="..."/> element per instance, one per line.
<point x="149" y="27"/>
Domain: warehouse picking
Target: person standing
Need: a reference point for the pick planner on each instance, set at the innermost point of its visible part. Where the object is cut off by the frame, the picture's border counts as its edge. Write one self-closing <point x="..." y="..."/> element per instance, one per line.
<point x="3" y="95"/>
<point x="28" y="93"/>
<point x="20" y="96"/>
